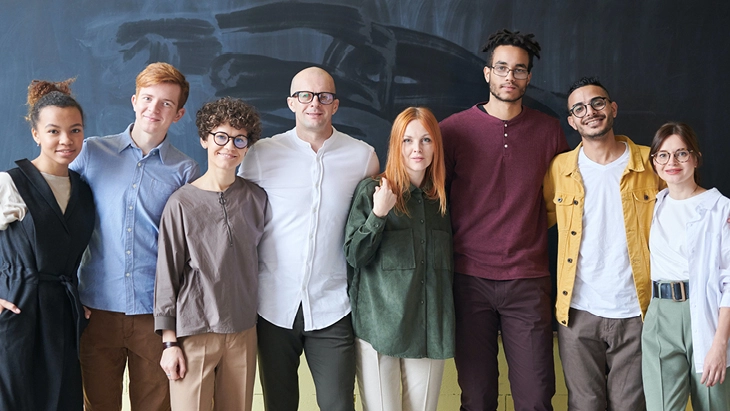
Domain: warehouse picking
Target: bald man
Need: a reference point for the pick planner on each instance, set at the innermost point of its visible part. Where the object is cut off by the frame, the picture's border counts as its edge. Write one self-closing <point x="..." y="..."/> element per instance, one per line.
<point x="309" y="173"/>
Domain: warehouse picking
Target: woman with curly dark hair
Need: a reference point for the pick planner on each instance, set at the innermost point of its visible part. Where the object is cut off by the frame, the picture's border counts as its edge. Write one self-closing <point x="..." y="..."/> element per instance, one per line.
<point x="207" y="269"/>
<point x="46" y="220"/>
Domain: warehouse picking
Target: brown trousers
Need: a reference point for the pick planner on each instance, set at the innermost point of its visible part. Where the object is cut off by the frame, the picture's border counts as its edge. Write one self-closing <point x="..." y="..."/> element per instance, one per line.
<point x="110" y="343"/>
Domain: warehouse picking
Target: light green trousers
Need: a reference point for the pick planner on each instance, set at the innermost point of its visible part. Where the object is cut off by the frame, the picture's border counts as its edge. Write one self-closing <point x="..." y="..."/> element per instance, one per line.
<point x="667" y="367"/>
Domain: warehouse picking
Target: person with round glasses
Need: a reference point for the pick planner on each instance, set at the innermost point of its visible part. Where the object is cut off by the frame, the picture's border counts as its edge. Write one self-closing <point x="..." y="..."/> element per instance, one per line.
<point x="687" y="326"/>
<point x="601" y="196"/>
<point x="206" y="291"/>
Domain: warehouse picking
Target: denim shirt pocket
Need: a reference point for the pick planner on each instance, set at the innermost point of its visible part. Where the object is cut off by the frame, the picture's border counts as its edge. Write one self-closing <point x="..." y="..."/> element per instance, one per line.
<point x="566" y="205"/>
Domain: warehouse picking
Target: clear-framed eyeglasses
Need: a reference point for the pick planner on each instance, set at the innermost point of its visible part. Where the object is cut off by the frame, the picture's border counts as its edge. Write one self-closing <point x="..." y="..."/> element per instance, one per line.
<point x="663" y="157"/>
<point x="501" y="70"/>
<point x="220" y="138"/>
<point x="598" y="103"/>
<point x="306" y="97"/>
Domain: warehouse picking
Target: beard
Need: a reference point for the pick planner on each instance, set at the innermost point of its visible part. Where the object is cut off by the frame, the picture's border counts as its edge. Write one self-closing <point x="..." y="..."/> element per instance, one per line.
<point x="495" y="92"/>
<point x="599" y="132"/>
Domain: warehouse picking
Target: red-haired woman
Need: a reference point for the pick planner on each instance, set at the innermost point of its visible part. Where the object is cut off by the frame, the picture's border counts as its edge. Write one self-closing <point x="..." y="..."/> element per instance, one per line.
<point x="398" y="246"/>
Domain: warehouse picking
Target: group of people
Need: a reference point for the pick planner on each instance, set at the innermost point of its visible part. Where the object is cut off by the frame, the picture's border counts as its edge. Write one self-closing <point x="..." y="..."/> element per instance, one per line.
<point x="299" y="244"/>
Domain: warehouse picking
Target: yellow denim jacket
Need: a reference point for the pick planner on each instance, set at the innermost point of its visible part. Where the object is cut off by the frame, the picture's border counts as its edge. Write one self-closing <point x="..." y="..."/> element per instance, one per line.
<point x="564" y="195"/>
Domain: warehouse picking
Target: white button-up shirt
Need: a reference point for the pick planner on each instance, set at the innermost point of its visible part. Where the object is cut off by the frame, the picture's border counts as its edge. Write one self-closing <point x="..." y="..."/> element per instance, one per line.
<point x="708" y="246"/>
<point x="301" y="258"/>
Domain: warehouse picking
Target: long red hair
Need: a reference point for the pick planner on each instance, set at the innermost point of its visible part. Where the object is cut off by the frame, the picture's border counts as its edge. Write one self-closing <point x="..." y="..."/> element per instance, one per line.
<point x="395" y="170"/>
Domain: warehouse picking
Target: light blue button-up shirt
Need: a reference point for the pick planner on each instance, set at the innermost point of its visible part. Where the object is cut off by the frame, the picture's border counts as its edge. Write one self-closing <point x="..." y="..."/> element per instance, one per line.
<point x="117" y="272"/>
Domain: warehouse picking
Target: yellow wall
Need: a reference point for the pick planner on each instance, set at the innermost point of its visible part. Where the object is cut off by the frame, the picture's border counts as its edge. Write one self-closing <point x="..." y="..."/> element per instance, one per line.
<point x="449" y="399"/>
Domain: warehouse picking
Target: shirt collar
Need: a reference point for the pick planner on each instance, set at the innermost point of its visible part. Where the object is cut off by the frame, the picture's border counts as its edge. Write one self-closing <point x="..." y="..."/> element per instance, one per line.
<point x="126" y="142"/>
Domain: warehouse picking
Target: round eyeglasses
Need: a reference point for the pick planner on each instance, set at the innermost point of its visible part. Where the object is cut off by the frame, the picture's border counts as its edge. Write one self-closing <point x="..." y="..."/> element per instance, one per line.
<point x="580" y="110"/>
<point x="221" y="138"/>
<point x="662" y="157"/>
<point x="306" y="97"/>
<point x="503" y="71"/>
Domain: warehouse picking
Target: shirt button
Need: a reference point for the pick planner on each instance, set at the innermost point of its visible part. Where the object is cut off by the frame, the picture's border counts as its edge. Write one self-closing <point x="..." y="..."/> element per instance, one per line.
<point x="131" y="207"/>
<point x="139" y="164"/>
<point x="134" y="185"/>
<point x="575" y="202"/>
<point x="505" y="146"/>
<point x="421" y="263"/>
<point x="505" y="124"/>
<point x="573" y="233"/>
<point x="129" y="229"/>
<point x="421" y="301"/>
<point x="128" y="274"/>
<point x="505" y="134"/>
<point x="421" y="221"/>
<point x="565" y="292"/>
<point x="419" y="201"/>
<point x="421" y="281"/>
<point x="129" y="252"/>
<point x="423" y="241"/>
<point x="560" y="200"/>
<point x="646" y="197"/>
<point x="563" y="322"/>
<point x="570" y="260"/>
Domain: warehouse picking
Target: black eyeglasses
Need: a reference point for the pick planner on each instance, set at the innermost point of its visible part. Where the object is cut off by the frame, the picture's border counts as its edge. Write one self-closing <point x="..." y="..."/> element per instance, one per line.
<point x="306" y="97"/>
<point x="662" y="157"/>
<point x="598" y="103"/>
<point x="221" y="138"/>
<point x="503" y="71"/>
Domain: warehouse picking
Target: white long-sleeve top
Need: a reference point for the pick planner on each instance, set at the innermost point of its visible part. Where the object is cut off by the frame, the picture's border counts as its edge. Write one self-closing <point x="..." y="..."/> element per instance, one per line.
<point x="708" y="246"/>
<point x="301" y="257"/>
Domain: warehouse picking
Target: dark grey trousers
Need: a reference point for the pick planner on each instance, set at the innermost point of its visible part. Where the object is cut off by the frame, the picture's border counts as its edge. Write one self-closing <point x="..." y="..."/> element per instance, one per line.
<point x="330" y="355"/>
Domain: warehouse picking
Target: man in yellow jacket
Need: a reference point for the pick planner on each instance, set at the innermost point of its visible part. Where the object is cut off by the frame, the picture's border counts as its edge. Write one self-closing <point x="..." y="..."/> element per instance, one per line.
<point x="601" y="194"/>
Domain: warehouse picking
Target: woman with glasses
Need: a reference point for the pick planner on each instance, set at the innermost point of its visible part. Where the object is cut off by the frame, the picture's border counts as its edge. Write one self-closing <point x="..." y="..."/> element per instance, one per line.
<point x="398" y="246"/>
<point x="687" y="326"/>
<point x="207" y="269"/>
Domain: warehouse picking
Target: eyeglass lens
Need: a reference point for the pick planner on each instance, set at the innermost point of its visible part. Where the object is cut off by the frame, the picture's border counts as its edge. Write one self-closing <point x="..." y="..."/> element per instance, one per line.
<point x="222" y="138"/>
<point x="306" y="97"/>
<point x="663" y="157"/>
<point x="580" y="110"/>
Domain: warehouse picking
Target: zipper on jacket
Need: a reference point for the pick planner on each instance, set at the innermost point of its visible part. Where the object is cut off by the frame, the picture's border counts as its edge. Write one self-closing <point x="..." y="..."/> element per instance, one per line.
<point x="222" y="202"/>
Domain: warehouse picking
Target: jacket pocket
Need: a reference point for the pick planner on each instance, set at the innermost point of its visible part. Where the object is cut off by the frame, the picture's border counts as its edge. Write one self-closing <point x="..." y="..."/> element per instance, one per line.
<point x="396" y="250"/>
<point x="566" y="205"/>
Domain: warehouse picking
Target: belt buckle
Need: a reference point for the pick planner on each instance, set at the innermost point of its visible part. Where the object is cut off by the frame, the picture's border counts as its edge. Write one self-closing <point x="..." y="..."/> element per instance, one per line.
<point x="682" y="292"/>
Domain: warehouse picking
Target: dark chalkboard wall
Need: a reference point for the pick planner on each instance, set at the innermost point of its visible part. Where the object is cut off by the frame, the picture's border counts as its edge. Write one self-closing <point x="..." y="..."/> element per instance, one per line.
<point x="660" y="60"/>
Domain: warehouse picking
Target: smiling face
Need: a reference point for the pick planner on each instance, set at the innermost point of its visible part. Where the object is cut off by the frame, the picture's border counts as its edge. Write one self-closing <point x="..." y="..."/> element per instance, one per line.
<point x="674" y="172"/>
<point x="156" y="108"/>
<point x="508" y="89"/>
<point x="417" y="151"/>
<point x="313" y="117"/>
<point x="60" y="133"/>
<point x="228" y="157"/>
<point x="596" y="123"/>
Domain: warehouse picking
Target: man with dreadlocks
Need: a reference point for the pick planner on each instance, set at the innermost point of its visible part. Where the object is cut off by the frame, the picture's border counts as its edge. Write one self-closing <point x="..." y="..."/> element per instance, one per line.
<point x="497" y="153"/>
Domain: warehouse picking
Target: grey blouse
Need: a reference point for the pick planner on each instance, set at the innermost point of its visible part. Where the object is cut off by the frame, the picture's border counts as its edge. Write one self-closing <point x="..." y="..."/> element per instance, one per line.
<point x="207" y="264"/>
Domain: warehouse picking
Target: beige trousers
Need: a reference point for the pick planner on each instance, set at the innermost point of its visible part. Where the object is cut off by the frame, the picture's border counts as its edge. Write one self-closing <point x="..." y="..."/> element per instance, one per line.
<point x="221" y="369"/>
<point x="397" y="384"/>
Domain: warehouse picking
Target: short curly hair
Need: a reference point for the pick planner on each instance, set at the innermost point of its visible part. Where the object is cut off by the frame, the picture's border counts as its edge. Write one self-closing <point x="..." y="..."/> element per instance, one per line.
<point x="229" y="110"/>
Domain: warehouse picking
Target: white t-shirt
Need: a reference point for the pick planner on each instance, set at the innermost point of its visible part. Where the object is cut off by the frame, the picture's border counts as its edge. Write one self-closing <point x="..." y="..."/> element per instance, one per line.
<point x="301" y="257"/>
<point x="604" y="284"/>
<point x="668" y="238"/>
